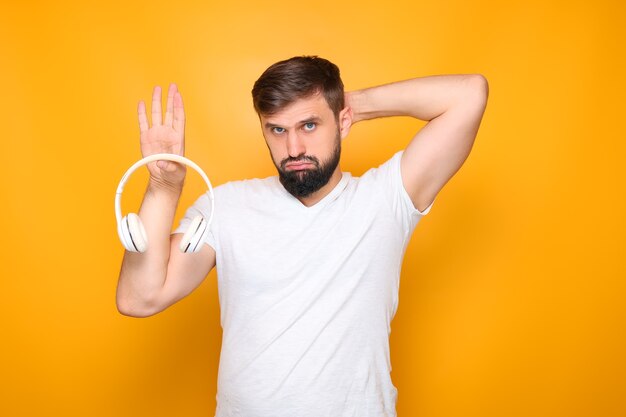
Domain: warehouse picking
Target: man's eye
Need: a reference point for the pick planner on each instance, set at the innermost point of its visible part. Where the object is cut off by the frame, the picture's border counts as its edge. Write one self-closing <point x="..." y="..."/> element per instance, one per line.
<point x="309" y="126"/>
<point x="278" y="130"/>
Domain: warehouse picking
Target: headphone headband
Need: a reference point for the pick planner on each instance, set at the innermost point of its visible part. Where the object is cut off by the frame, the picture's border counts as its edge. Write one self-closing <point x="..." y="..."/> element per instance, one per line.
<point x="159" y="157"/>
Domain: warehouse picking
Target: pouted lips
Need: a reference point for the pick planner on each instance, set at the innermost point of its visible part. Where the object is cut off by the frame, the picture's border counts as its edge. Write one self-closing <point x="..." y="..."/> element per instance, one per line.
<point x="297" y="166"/>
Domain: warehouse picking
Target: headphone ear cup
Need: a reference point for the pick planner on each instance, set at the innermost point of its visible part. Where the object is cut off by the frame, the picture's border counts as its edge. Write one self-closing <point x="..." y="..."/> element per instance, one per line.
<point x="124" y="235"/>
<point x="192" y="239"/>
<point x="134" y="233"/>
<point x="195" y="245"/>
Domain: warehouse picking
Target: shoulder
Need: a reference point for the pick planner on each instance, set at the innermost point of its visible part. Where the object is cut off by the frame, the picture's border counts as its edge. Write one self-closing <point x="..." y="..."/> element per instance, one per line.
<point x="248" y="185"/>
<point x="246" y="190"/>
<point x="385" y="172"/>
<point x="386" y="181"/>
<point x="237" y="189"/>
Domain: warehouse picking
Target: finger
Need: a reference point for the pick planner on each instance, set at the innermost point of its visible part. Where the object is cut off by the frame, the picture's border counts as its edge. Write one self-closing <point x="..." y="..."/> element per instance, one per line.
<point x="169" y="108"/>
<point x="143" y="119"/>
<point x="156" y="106"/>
<point x="179" y="113"/>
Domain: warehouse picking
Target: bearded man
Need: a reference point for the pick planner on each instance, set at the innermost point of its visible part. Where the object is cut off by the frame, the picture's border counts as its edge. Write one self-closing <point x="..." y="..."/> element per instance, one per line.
<point x="308" y="261"/>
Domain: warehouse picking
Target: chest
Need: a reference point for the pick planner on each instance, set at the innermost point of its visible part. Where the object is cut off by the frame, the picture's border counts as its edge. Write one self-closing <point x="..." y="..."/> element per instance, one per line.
<point x="265" y="249"/>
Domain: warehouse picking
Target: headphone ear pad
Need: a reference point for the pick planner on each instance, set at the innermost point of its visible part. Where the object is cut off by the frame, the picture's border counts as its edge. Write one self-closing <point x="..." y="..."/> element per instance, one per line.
<point x="125" y="235"/>
<point x="192" y="239"/>
<point x="136" y="237"/>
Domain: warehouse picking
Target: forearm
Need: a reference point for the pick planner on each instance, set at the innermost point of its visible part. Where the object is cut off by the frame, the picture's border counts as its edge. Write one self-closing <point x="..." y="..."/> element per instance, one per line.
<point x="423" y="98"/>
<point x="143" y="275"/>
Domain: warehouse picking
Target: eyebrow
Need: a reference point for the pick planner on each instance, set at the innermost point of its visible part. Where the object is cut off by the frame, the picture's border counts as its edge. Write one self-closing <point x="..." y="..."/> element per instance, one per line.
<point x="311" y="119"/>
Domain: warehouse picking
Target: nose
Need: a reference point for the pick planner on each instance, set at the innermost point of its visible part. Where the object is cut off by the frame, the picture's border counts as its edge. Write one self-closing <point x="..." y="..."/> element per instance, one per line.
<point x="295" y="145"/>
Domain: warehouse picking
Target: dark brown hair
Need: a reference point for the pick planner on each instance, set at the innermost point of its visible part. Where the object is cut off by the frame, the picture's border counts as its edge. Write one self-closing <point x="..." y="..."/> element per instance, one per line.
<point x="299" y="77"/>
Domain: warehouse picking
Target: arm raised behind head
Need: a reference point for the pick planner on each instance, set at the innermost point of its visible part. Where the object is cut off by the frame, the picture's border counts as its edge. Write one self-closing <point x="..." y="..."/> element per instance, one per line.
<point x="453" y="105"/>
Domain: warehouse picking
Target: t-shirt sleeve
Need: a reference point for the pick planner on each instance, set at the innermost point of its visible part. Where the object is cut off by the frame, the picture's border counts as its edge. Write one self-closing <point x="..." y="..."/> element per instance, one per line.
<point x="202" y="206"/>
<point x="389" y="177"/>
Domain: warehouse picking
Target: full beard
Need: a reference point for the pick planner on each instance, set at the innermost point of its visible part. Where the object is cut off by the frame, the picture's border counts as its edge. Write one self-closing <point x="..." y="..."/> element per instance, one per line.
<point x="305" y="182"/>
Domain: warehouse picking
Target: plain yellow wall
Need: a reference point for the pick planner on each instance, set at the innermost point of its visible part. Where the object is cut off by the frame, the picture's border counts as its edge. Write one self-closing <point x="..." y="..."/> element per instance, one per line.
<point x="511" y="297"/>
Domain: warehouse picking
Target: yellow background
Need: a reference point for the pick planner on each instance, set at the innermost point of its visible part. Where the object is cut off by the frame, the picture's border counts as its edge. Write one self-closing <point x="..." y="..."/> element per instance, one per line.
<point x="512" y="292"/>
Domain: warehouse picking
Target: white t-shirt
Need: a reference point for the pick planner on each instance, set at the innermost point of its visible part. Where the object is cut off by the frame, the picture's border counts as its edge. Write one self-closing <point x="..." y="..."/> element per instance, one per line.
<point x="307" y="294"/>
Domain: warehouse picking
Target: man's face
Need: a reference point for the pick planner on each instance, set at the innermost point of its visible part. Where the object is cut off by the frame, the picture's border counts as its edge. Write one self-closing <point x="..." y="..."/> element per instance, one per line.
<point x="304" y="140"/>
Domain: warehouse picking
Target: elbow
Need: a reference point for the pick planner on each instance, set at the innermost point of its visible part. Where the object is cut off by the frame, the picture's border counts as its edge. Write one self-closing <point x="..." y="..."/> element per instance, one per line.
<point x="135" y="309"/>
<point x="134" y="313"/>
<point x="475" y="92"/>
<point x="479" y="85"/>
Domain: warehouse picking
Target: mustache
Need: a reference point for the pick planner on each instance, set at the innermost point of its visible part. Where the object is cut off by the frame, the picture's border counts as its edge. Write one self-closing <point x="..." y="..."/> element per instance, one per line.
<point x="302" y="158"/>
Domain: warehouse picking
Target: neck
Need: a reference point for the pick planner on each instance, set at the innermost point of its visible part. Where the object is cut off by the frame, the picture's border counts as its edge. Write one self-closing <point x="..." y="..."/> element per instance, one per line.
<point x="324" y="191"/>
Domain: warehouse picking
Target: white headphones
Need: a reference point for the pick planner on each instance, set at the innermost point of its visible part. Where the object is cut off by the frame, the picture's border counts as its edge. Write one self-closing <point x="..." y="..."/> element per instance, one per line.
<point x="132" y="232"/>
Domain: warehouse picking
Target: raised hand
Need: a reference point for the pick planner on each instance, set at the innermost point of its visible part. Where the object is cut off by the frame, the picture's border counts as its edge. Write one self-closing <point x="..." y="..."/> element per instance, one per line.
<point x="164" y="136"/>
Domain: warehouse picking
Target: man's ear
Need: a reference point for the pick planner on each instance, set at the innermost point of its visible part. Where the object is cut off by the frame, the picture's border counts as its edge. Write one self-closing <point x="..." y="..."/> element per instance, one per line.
<point x="345" y="121"/>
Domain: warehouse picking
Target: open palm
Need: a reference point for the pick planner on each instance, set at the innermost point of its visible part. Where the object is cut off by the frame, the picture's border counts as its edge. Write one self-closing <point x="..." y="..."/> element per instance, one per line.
<point x="164" y="136"/>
